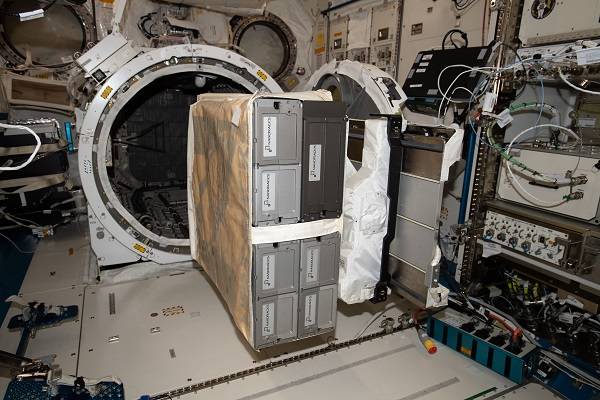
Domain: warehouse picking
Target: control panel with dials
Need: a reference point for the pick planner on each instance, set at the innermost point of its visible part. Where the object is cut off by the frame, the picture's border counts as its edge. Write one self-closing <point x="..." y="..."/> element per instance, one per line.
<point x="543" y="241"/>
<point x="534" y="240"/>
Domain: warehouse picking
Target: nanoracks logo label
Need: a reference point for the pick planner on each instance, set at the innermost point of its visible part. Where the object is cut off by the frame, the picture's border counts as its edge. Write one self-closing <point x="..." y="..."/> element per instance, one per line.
<point x="269" y="136"/>
<point x="268" y="271"/>
<point x="312" y="265"/>
<point x="268" y="191"/>
<point x="267" y="318"/>
<point x="314" y="163"/>
<point x="310" y="309"/>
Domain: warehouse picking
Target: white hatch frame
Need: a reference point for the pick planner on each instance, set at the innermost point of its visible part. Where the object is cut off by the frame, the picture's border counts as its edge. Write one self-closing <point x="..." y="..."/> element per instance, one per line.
<point x="106" y="211"/>
<point x="372" y="79"/>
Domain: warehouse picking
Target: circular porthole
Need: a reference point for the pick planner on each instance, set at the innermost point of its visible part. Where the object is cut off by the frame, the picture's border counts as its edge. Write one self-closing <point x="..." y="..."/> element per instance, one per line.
<point x="51" y="41"/>
<point x="540" y="9"/>
<point x="267" y="41"/>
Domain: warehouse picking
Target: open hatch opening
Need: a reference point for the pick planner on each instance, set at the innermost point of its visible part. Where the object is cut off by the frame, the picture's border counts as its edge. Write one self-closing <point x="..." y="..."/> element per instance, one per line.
<point x="147" y="151"/>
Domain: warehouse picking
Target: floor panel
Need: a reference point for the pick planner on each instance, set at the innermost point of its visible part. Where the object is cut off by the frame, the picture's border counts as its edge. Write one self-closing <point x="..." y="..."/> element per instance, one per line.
<point x="167" y="331"/>
<point x="62" y="339"/>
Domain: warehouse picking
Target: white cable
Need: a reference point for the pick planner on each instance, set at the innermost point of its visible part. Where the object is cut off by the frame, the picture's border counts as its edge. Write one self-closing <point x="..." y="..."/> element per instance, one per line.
<point x="548" y="108"/>
<point x="522" y="190"/>
<point x="567" y="130"/>
<point x="15" y="245"/>
<point x="59" y="203"/>
<point x="485" y="70"/>
<point x="582" y="375"/>
<point x="373" y="319"/>
<point x="15" y="220"/>
<point x="564" y="79"/>
<point x="455" y="101"/>
<point x="38" y="144"/>
<point x="570" y="375"/>
<point x="461" y="88"/>
<point x="468" y="70"/>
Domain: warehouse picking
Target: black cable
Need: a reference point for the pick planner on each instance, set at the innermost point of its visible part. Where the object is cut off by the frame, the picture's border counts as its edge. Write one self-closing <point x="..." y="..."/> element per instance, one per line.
<point x="463" y="5"/>
<point x="449" y="34"/>
<point x="142" y="25"/>
<point x="95" y="24"/>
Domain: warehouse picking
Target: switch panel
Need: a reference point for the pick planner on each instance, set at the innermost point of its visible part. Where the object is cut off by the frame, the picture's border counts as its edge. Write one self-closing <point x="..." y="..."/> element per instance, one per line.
<point x="533" y="240"/>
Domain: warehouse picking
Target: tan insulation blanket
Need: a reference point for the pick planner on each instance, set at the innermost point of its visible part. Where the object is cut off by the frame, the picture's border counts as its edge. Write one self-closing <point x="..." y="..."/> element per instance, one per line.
<point x="218" y="194"/>
<point x="219" y="198"/>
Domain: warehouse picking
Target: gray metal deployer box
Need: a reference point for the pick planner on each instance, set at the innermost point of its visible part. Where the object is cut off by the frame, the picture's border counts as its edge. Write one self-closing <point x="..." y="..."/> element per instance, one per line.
<point x="275" y="194"/>
<point x="317" y="310"/>
<point x="319" y="261"/>
<point x="277" y="131"/>
<point x="275" y="268"/>
<point x="323" y="148"/>
<point x="275" y="319"/>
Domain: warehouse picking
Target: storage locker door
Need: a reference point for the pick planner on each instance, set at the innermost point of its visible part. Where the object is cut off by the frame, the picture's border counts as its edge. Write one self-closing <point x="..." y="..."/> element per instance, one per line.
<point x="276" y="194"/>
<point x="275" y="319"/>
<point x="276" y="268"/>
<point x="319" y="261"/>
<point x="324" y="143"/>
<point x="277" y="131"/>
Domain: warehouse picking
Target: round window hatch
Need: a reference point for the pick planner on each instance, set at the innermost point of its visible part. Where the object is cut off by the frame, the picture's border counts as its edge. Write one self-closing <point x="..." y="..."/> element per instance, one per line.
<point x="540" y="9"/>
<point x="267" y="41"/>
<point x="51" y="41"/>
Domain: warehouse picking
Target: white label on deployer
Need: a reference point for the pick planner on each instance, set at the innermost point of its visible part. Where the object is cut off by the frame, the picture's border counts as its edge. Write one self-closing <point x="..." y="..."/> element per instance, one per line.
<point x="310" y="310"/>
<point x="268" y="313"/>
<point x="268" y="191"/>
<point x="312" y="264"/>
<point x="269" y="136"/>
<point x="314" y="163"/>
<point x="268" y="271"/>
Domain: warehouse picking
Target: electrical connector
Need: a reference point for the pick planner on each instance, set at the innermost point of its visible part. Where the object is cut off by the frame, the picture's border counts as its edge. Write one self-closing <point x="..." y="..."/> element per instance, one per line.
<point x="489" y="102"/>
<point x="504" y="118"/>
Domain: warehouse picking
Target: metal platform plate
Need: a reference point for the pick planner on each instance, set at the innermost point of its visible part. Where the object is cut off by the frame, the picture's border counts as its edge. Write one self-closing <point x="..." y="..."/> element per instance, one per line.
<point x="160" y="333"/>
